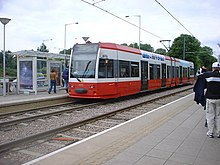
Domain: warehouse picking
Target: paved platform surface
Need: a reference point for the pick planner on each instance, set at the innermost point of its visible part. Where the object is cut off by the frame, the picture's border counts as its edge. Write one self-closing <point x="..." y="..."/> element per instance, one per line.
<point x="19" y="98"/>
<point x="173" y="134"/>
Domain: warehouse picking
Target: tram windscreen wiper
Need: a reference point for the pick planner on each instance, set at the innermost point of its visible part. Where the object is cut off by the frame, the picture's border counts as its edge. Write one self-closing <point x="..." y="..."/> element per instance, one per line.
<point x="87" y="66"/>
<point x="76" y="76"/>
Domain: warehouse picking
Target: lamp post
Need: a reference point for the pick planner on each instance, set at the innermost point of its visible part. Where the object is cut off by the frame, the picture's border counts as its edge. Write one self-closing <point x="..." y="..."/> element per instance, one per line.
<point x="4" y="21"/>
<point x="64" y="52"/>
<point x="65" y="35"/>
<point x="139" y="16"/>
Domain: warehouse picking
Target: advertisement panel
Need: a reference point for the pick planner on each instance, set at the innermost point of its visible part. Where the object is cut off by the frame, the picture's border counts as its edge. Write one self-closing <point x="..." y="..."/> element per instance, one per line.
<point x="26" y="75"/>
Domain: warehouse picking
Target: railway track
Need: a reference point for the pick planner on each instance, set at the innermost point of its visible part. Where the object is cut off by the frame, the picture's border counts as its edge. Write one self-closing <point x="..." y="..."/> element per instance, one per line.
<point x="27" y="105"/>
<point x="41" y="113"/>
<point x="30" y="147"/>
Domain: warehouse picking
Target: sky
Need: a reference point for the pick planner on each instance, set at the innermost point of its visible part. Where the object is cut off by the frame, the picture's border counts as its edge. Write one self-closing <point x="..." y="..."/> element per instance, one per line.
<point x="36" y="21"/>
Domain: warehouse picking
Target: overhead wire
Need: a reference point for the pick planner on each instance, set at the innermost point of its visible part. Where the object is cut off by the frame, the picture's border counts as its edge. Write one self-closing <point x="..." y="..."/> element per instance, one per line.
<point x="178" y="21"/>
<point x="93" y="4"/>
<point x="174" y="17"/>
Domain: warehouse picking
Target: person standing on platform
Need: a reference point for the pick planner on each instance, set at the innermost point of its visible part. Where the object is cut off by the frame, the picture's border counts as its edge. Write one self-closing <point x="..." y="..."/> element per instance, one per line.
<point x="53" y="81"/>
<point x="199" y="86"/>
<point x="212" y="95"/>
<point x="66" y="78"/>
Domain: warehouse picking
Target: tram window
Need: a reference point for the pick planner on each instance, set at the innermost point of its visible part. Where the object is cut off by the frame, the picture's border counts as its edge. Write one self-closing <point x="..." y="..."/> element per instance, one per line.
<point x="173" y="71"/>
<point x="170" y="70"/>
<point x="151" y="71"/>
<point x="134" y="69"/>
<point x="110" y="69"/>
<point x="124" y="69"/>
<point x="185" y="72"/>
<point x="105" y="68"/>
<point x="177" y="72"/>
<point x="158" y="71"/>
<point x="191" y="71"/>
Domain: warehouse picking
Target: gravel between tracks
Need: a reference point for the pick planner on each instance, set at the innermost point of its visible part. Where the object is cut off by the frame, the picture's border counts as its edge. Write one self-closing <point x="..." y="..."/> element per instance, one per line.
<point x="38" y="126"/>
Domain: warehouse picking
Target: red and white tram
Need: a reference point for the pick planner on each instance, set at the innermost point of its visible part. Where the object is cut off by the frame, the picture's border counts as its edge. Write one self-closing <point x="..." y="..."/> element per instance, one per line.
<point x="108" y="70"/>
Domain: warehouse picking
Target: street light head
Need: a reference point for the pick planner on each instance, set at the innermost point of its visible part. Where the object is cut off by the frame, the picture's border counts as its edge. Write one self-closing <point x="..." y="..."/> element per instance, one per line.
<point x="77" y="23"/>
<point x="127" y="16"/>
<point x="4" y="21"/>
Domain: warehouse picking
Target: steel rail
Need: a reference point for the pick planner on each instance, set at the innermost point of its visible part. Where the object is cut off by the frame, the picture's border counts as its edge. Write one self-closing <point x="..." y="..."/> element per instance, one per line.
<point x="13" y="144"/>
<point x="31" y="118"/>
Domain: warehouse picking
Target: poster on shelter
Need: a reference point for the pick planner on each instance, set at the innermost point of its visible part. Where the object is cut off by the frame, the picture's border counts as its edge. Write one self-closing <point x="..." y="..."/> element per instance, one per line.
<point x="26" y="75"/>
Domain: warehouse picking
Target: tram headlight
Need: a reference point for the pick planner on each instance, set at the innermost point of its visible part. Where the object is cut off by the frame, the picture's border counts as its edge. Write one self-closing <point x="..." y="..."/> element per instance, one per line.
<point x="92" y="86"/>
<point x="72" y="86"/>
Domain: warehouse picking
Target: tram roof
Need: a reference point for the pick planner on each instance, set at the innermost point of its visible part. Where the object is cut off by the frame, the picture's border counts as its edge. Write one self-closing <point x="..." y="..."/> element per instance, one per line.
<point x="119" y="47"/>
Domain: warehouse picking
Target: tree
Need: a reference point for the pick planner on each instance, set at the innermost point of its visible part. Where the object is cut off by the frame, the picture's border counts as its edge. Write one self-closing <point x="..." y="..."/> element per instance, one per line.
<point x="68" y="51"/>
<point x="134" y="45"/>
<point x="42" y="48"/>
<point x="206" y="58"/>
<point x="146" y="47"/>
<point x="190" y="43"/>
<point x="161" y="51"/>
<point x="10" y="64"/>
<point x="124" y="44"/>
<point x="189" y="48"/>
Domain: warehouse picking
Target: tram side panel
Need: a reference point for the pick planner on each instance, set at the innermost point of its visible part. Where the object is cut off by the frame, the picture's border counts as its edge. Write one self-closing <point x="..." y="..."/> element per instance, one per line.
<point x="107" y="82"/>
<point x="154" y="77"/>
<point x="121" y="72"/>
<point x="128" y="73"/>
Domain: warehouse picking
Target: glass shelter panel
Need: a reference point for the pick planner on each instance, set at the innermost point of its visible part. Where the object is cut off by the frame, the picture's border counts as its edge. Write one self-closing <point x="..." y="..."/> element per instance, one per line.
<point x="42" y="73"/>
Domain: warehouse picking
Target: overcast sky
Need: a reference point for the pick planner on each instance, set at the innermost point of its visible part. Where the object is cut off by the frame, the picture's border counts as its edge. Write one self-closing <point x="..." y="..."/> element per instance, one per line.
<point x="33" y="21"/>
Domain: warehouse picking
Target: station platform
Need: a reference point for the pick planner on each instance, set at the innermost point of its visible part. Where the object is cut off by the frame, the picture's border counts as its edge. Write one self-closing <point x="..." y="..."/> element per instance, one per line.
<point x="173" y="134"/>
<point x="15" y="99"/>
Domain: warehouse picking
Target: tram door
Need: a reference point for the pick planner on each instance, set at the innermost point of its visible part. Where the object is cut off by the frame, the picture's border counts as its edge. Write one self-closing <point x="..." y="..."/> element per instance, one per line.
<point x="163" y="75"/>
<point x="181" y="74"/>
<point x="144" y="75"/>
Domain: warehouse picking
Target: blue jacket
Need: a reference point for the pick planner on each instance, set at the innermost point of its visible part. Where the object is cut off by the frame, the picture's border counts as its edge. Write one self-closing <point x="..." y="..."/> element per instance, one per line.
<point x="199" y="87"/>
<point x="66" y="74"/>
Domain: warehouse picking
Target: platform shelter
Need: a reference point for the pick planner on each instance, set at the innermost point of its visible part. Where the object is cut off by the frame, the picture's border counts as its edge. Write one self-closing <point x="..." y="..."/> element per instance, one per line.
<point x="34" y="67"/>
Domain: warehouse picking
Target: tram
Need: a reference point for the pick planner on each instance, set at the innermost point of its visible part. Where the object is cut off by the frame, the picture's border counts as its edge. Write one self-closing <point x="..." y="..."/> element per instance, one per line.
<point x="108" y="70"/>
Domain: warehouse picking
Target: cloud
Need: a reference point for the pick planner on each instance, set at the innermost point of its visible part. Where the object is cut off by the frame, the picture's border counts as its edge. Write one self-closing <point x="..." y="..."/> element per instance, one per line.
<point x="33" y="21"/>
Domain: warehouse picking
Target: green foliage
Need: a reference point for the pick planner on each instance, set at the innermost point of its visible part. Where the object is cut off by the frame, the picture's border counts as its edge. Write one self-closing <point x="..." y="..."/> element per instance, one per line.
<point x="146" y="47"/>
<point x="200" y="56"/>
<point x="206" y="58"/>
<point x="161" y="51"/>
<point x="10" y="64"/>
<point x="42" y="48"/>
<point x="191" y="45"/>
<point x="68" y="51"/>
<point x="124" y="44"/>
